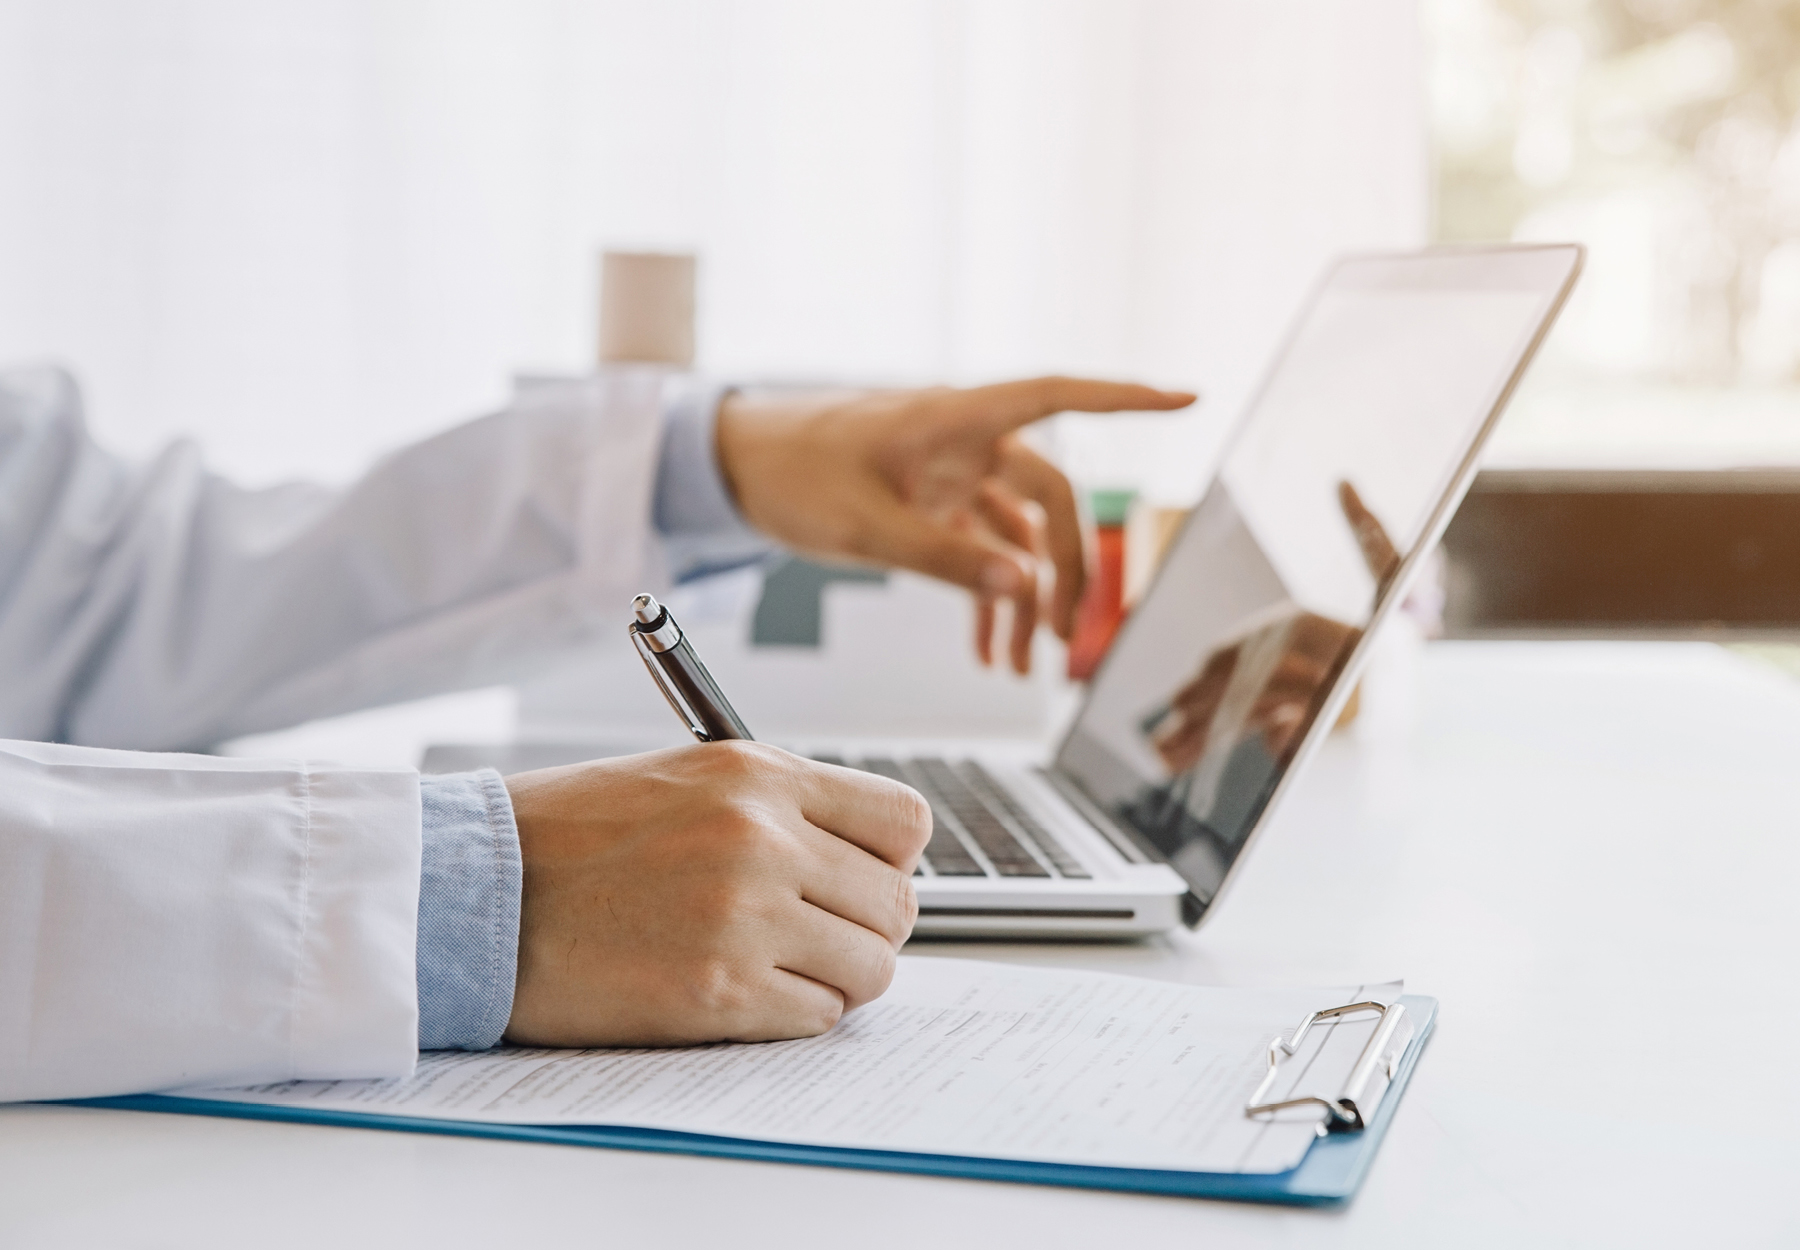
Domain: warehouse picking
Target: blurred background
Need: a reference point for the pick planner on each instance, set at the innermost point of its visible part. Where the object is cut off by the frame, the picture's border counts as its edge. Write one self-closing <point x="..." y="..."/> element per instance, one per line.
<point x="306" y="231"/>
<point x="1662" y="134"/>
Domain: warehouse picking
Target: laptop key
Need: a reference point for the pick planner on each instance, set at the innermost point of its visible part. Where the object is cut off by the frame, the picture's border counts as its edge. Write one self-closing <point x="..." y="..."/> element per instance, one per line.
<point x="999" y="797"/>
<point x="1009" y="857"/>
<point x="945" y="852"/>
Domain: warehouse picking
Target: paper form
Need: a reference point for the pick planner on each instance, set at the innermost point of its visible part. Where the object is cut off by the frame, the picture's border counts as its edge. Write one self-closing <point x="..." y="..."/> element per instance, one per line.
<point x="959" y="1057"/>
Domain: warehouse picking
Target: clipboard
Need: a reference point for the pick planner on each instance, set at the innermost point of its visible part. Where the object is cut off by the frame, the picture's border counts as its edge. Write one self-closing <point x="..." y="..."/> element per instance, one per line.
<point x="1329" y="1175"/>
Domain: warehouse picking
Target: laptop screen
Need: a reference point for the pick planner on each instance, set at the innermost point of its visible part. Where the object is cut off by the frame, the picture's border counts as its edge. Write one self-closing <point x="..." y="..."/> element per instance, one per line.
<point x="1343" y="471"/>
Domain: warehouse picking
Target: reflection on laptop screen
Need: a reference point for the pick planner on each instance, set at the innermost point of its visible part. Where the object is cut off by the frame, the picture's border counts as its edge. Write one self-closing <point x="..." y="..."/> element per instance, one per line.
<point x="1365" y="423"/>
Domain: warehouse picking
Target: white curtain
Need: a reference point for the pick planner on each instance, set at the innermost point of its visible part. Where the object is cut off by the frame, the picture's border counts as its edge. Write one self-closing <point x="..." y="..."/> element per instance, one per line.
<point x="306" y="230"/>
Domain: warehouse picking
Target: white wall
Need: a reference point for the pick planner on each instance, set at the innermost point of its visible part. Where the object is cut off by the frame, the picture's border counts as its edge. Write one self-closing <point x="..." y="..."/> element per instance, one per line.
<point x="309" y="229"/>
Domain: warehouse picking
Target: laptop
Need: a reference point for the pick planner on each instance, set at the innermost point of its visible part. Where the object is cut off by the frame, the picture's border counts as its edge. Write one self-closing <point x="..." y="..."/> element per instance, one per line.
<point x="1339" y="479"/>
<point x="1234" y="664"/>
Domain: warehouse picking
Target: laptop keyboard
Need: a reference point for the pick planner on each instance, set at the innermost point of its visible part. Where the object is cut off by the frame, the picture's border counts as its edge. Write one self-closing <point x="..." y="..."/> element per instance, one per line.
<point x="977" y="828"/>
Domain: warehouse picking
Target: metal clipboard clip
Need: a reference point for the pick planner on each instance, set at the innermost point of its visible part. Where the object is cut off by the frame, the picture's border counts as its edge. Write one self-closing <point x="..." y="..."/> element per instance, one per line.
<point x="1368" y="1080"/>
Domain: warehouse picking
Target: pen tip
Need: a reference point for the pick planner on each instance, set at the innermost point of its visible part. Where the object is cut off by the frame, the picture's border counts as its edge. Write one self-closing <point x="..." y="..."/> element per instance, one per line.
<point x="646" y="609"/>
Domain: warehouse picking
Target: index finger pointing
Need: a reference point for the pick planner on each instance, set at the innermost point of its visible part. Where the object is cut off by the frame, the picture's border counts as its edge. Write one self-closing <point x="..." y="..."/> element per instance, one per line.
<point x="889" y="820"/>
<point x="1006" y="406"/>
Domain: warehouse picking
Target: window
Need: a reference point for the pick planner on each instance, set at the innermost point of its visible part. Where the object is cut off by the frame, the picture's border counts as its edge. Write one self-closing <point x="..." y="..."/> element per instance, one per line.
<point x="1661" y="133"/>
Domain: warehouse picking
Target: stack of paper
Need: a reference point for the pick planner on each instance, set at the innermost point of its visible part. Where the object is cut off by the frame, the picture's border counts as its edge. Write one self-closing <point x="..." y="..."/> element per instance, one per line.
<point x="976" y="1060"/>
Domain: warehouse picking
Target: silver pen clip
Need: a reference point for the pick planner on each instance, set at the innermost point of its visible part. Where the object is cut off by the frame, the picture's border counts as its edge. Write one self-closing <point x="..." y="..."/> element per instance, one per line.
<point x="673" y="695"/>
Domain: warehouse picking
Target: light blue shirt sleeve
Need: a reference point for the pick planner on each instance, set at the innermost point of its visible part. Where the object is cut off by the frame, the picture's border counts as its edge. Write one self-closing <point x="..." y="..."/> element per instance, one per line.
<point x="469" y="893"/>
<point x="702" y="530"/>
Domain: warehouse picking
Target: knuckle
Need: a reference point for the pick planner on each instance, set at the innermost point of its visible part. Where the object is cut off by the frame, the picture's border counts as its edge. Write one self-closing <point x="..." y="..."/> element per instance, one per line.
<point x="720" y="991"/>
<point x="825" y="1018"/>
<point x="882" y="962"/>
<point x="746" y="836"/>
<point x="871" y="974"/>
<point x="914" y="816"/>
<point x="906" y="907"/>
<point x="738" y="821"/>
<point x="743" y="775"/>
<point x="739" y="758"/>
<point x="1028" y="582"/>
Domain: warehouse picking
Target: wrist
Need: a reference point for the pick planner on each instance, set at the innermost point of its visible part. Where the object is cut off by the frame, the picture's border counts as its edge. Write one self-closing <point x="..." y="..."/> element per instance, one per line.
<point x="773" y="455"/>
<point x="469" y="906"/>
<point x="728" y="436"/>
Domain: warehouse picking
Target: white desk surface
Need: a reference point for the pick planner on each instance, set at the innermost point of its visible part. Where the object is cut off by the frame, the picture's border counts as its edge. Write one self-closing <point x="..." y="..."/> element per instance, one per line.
<point x="1588" y="852"/>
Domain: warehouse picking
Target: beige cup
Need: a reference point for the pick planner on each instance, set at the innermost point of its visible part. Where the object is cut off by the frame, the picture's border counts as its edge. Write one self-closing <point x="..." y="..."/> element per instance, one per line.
<point x="647" y="308"/>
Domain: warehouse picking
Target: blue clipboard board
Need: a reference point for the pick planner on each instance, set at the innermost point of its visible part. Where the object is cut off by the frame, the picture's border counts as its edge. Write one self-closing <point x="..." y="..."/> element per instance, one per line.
<point x="1329" y="1175"/>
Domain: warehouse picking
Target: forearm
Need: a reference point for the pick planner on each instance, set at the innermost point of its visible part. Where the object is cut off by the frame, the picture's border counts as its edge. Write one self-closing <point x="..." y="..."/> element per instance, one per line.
<point x="156" y="606"/>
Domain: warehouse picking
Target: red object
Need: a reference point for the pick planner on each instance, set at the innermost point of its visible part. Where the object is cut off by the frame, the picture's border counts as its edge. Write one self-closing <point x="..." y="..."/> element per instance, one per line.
<point x="1102" y="608"/>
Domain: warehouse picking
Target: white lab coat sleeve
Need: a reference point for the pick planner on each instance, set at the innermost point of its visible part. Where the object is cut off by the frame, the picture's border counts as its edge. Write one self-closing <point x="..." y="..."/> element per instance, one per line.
<point x="179" y="920"/>
<point x="159" y="607"/>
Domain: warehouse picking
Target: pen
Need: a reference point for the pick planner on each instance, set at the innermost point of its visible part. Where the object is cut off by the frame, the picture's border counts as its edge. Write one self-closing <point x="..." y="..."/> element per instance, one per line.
<point x="680" y="675"/>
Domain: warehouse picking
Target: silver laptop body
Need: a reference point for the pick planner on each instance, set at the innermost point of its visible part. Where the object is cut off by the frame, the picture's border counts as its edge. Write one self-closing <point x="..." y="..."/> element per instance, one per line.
<point x="1341" y="476"/>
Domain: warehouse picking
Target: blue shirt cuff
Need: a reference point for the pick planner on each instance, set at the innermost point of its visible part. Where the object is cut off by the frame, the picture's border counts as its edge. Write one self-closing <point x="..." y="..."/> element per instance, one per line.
<point x="702" y="530"/>
<point x="469" y="891"/>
